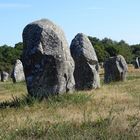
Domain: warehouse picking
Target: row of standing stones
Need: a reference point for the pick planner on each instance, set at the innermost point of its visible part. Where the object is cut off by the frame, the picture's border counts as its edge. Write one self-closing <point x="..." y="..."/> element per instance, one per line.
<point x="51" y="68"/>
<point x="17" y="74"/>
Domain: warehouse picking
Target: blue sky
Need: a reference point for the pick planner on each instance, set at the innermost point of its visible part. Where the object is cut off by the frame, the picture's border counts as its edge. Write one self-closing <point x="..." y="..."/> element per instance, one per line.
<point x="115" y="19"/>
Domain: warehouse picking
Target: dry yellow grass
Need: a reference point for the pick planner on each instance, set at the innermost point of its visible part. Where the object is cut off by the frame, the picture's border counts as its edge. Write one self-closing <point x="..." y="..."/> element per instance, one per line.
<point x="118" y="103"/>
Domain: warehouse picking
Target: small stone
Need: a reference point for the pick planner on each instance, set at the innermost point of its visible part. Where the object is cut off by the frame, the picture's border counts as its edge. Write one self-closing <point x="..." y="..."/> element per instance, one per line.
<point x="137" y="63"/>
<point x="18" y="73"/>
<point x="115" y="69"/>
<point x="4" y="76"/>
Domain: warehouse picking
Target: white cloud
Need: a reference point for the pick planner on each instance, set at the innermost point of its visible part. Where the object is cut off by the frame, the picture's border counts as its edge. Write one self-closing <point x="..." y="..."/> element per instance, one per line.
<point x="14" y="5"/>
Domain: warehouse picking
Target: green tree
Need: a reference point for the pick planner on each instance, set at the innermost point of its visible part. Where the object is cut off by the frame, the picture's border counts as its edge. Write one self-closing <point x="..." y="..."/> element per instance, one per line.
<point x="106" y="48"/>
<point x="8" y="55"/>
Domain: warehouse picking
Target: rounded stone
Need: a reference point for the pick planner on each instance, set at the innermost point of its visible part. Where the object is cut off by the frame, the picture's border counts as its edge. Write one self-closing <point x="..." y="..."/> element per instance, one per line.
<point x="115" y="69"/>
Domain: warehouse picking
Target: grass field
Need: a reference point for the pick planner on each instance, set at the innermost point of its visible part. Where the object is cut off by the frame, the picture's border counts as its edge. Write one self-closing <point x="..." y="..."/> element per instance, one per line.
<point x="109" y="113"/>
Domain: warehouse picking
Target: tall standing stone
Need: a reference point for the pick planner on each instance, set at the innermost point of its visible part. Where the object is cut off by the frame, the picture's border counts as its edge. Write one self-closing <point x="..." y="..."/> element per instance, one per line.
<point x="18" y="73"/>
<point x="48" y="65"/>
<point x="115" y="69"/>
<point x="137" y="63"/>
<point x="86" y="63"/>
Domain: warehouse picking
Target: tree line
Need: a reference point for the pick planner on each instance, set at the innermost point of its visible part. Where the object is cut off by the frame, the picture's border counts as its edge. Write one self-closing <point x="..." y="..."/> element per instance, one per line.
<point x="107" y="48"/>
<point x="104" y="48"/>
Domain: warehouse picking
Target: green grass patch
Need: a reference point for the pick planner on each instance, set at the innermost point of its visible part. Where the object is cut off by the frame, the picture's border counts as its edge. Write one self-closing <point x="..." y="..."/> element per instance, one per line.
<point x="69" y="99"/>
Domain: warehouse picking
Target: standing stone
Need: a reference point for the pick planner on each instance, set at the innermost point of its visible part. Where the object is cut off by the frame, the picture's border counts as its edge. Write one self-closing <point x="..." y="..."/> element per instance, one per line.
<point x="101" y="64"/>
<point x="115" y="69"/>
<point x="97" y="67"/>
<point x="48" y="65"/>
<point x="137" y="63"/>
<point x="4" y="76"/>
<point x="86" y="63"/>
<point x="18" y="73"/>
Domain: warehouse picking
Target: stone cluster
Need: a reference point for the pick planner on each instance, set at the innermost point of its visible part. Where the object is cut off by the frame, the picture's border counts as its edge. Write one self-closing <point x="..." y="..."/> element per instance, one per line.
<point x="50" y="67"/>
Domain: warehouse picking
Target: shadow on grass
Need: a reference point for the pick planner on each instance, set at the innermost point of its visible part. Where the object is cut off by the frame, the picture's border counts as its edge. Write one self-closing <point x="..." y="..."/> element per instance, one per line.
<point x="52" y="101"/>
<point x="17" y="102"/>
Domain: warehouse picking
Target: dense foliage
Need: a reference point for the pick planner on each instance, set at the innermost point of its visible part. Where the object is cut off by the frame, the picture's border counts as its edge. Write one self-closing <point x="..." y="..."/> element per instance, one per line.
<point x="8" y="55"/>
<point x="104" y="49"/>
<point x="136" y="50"/>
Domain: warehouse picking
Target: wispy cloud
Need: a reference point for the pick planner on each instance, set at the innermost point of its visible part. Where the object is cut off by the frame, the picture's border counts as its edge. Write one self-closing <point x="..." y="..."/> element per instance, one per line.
<point x="95" y="8"/>
<point x="14" y="5"/>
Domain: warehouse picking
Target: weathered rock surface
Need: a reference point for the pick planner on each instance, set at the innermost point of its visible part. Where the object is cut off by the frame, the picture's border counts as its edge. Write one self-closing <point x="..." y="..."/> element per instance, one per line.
<point x="18" y="73"/>
<point x="48" y="65"/>
<point x="86" y="63"/>
<point x="115" y="69"/>
<point x="4" y="76"/>
<point x="137" y="63"/>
